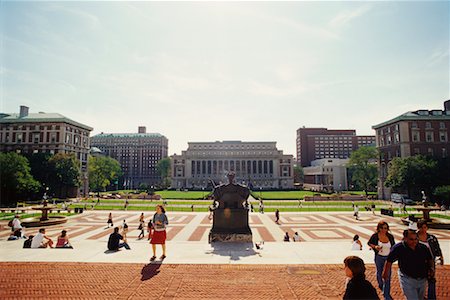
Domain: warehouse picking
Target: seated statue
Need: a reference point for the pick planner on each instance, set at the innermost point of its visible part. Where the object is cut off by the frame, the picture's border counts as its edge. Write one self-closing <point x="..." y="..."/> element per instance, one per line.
<point x="231" y="195"/>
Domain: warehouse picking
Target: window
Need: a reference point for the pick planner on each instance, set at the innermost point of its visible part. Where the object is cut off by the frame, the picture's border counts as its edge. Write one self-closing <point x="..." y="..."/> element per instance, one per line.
<point x="428" y="125"/>
<point x="416" y="151"/>
<point x="443" y="136"/>
<point x="429" y="137"/>
<point x="430" y="151"/>
<point x="414" y="125"/>
<point x="444" y="152"/>
<point x="396" y="138"/>
<point x="441" y="125"/>
<point x="416" y="136"/>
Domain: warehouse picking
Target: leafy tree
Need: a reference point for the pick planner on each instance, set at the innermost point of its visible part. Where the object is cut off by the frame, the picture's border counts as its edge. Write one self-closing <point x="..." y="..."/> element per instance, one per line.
<point x="443" y="194"/>
<point x="363" y="167"/>
<point x="15" y="178"/>
<point x="298" y="174"/>
<point x="66" y="174"/>
<point x="103" y="171"/>
<point x="412" y="174"/>
<point x="163" y="169"/>
<point x="41" y="169"/>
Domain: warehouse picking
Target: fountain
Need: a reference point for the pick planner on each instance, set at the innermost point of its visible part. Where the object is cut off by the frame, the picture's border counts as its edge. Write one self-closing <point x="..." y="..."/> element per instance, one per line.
<point x="44" y="220"/>
<point x="425" y="209"/>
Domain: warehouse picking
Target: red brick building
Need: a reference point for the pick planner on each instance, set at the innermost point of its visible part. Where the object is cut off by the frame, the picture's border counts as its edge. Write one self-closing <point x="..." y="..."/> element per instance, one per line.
<point x="318" y="143"/>
<point x="423" y="132"/>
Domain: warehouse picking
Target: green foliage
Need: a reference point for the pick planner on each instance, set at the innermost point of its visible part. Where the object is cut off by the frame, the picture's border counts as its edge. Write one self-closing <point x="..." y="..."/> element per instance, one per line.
<point x="298" y="174"/>
<point x="16" y="179"/>
<point x="412" y="173"/>
<point x="363" y="168"/>
<point x="102" y="172"/>
<point x="65" y="174"/>
<point x="442" y="193"/>
<point x="163" y="169"/>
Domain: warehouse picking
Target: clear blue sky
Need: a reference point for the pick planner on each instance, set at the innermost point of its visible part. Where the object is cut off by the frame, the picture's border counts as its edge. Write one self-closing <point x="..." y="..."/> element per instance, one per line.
<point x="206" y="71"/>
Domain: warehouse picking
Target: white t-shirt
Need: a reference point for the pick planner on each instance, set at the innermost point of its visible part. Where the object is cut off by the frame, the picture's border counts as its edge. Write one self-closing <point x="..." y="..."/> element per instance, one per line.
<point x="296" y="238"/>
<point x="16" y="224"/>
<point x="37" y="240"/>
<point x="356" y="246"/>
<point x="385" y="248"/>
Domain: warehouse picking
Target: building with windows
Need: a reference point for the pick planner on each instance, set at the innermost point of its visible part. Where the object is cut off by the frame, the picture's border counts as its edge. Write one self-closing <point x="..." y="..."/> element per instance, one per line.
<point x="318" y="143"/>
<point x="137" y="153"/>
<point x="422" y="131"/>
<point x="41" y="132"/>
<point x="326" y="174"/>
<point x="260" y="165"/>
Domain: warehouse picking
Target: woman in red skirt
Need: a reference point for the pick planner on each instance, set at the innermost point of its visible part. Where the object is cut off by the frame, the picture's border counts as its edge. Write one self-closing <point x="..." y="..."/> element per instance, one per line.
<point x="160" y="222"/>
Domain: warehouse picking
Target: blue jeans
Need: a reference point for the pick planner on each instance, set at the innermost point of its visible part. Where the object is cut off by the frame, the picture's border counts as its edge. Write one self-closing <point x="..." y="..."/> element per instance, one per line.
<point x="431" y="295"/>
<point x="413" y="288"/>
<point x="124" y="245"/>
<point x="385" y="286"/>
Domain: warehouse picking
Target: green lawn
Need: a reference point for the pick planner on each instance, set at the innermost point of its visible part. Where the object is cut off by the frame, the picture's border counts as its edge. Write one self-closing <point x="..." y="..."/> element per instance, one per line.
<point x="183" y="195"/>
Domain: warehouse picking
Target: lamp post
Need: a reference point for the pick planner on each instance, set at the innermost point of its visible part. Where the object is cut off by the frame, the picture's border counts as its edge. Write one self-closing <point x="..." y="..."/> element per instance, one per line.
<point x="203" y="193"/>
<point x="260" y="190"/>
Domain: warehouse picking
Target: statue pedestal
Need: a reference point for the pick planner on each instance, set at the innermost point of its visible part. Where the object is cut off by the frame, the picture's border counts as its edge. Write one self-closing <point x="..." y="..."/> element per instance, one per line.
<point x="230" y="225"/>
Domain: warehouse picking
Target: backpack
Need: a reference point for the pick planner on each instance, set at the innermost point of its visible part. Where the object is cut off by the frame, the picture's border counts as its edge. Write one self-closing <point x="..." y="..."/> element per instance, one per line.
<point x="10" y="223"/>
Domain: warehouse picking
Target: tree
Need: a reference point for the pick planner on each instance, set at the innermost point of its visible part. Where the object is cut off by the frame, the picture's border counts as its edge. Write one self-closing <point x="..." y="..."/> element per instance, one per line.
<point x="103" y="171"/>
<point x="15" y="178"/>
<point x="66" y="174"/>
<point x="41" y="169"/>
<point x="298" y="174"/>
<point x="363" y="167"/>
<point x="412" y="174"/>
<point x="442" y="194"/>
<point x="163" y="169"/>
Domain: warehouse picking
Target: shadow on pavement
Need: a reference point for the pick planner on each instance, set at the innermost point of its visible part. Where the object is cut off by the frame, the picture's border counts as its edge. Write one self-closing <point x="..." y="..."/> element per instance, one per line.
<point x="234" y="250"/>
<point x="150" y="270"/>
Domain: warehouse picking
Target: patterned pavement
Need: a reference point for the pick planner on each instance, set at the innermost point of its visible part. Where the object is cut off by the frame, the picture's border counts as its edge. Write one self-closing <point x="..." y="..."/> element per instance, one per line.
<point x="191" y="271"/>
<point x="195" y="226"/>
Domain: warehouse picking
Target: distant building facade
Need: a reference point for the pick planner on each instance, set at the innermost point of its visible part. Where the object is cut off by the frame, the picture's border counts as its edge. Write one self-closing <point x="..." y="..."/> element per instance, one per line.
<point x="318" y="143"/>
<point x="326" y="174"/>
<point x="137" y="153"/>
<point x="422" y="131"/>
<point x="257" y="164"/>
<point x="45" y="133"/>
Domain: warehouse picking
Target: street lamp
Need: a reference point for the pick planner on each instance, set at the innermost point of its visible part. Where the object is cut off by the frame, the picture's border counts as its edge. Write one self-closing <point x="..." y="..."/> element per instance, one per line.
<point x="260" y="190"/>
<point x="203" y="193"/>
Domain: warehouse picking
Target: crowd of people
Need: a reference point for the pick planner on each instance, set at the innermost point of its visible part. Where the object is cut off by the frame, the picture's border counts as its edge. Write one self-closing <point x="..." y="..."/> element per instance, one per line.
<point x="417" y="254"/>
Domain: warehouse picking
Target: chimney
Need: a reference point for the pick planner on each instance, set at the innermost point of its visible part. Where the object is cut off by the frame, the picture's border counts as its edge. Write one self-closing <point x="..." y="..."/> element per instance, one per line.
<point x="23" y="111"/>
<point x="447" y="105"/>
<point x="142" y="129"/>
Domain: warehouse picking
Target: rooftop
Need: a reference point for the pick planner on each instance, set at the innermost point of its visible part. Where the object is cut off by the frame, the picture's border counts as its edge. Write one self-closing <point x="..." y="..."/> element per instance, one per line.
<point x="10" y="118"/>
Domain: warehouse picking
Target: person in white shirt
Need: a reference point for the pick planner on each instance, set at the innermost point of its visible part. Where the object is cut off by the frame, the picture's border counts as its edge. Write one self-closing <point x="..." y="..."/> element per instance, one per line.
<point x="296" y="237"/>
<point x="39" y="242"/>
<point x="17" y="227"/>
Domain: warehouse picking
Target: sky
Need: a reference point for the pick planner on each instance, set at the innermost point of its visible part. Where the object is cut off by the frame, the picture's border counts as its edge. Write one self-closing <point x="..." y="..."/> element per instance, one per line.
<point x="213" y="71"/>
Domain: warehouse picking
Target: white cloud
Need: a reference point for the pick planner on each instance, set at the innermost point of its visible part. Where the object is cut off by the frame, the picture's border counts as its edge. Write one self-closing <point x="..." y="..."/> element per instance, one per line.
<point x="437" y="57"/>
<point x="345" y="17"/>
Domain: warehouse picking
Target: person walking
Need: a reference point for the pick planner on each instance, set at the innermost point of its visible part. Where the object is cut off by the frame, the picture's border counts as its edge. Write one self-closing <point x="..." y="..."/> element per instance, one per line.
<point x="261" y="206"/>
<point x="110" y="220"/>
<point x="357" y="286"/>
<point x="381" y="243"/>
<point x="277" y="216"/>
<point x="160" y="223"/>
<point x="356" y="212"/>
<point x="431" y="242"/>
<point x="141" y="217"/>
<point x="414" y="262"/>
<point x="141" y="228"/>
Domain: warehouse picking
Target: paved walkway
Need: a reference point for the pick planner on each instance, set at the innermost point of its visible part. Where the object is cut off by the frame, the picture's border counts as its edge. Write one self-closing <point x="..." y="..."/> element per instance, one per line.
<point x="169" y="281"/>
<point x="193" y="269"/>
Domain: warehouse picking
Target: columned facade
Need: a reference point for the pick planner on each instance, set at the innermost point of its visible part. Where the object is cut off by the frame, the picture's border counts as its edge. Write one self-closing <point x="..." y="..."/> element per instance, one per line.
<point x="257" y="164"/>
